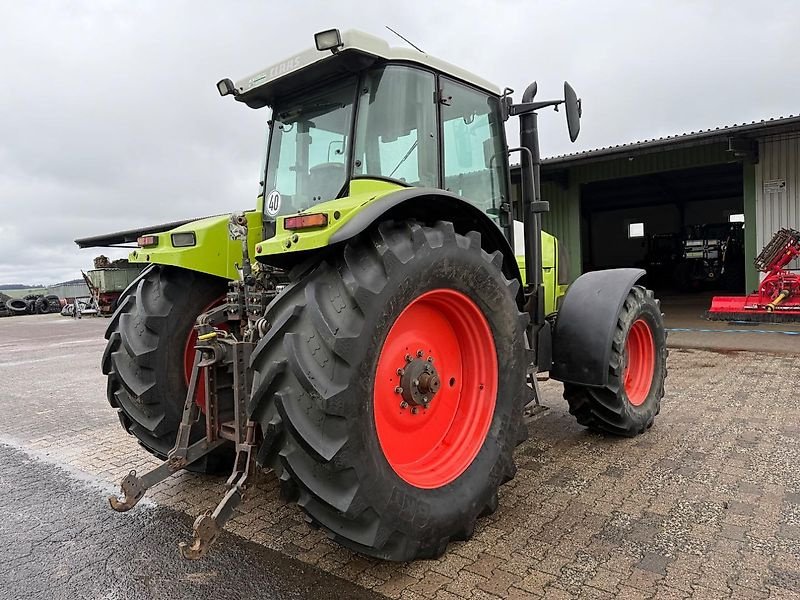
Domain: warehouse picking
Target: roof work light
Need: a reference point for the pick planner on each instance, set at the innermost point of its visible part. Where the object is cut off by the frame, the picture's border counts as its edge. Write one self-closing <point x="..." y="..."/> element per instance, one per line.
<point x="330" y="39"/>
<point x="225" y="87"/>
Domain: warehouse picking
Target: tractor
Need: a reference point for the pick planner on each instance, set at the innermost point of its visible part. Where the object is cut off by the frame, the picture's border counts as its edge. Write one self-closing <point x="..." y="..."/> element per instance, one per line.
<point x="375" y="329"/>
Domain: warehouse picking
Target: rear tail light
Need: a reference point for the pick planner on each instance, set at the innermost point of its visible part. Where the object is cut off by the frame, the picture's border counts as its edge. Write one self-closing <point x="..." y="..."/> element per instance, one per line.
<point x="147" y="240"/>
<point x="305" y="221"/>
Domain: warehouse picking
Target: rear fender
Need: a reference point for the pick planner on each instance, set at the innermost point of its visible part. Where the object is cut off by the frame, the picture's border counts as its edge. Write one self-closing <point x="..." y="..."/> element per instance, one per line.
<point x="586" y="324"/>
<point x="433" y="205"/>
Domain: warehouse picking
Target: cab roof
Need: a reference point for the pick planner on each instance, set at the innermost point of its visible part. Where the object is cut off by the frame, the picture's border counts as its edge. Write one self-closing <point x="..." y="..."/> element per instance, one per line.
<point x="358" y="51"/>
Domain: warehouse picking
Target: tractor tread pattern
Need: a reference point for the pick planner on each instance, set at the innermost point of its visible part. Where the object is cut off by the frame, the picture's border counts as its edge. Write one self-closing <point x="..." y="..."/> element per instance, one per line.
<point x="140" y="354"/>
<point x="302" y="367"/>
<point x="606" y="409"/>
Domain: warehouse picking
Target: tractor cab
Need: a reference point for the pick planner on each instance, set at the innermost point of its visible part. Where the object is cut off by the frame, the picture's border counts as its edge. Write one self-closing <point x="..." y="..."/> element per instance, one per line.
<point x="357" y="109"/>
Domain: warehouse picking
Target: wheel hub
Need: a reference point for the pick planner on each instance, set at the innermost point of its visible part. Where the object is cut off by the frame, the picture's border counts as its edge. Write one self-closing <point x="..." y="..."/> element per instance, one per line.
<point x="419" y="381"/>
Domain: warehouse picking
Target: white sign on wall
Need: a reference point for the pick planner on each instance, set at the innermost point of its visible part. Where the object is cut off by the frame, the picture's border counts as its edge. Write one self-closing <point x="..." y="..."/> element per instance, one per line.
<point x="774" y="185"/>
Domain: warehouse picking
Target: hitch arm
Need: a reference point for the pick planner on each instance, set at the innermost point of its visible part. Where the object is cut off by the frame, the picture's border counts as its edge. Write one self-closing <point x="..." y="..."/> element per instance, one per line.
<point x="182" y="454"/>
<point x="134" y="487"/>
<point x="208" y="526"/>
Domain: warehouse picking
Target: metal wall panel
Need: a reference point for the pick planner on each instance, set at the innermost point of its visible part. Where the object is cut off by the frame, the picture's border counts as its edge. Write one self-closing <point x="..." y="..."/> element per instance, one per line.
<point x="69" y="290"/>
<point x="563" y="221"/>
<point x="779" y="161"/>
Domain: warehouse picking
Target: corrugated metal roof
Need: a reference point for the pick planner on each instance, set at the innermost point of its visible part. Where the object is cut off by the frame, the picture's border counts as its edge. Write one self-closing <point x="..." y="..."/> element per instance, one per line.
<point x="688" y="138"/>
<point x="78" y="281"/>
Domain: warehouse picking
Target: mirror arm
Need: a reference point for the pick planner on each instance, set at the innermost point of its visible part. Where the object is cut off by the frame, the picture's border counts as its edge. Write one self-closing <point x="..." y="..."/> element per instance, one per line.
<point x="528" y="107"/>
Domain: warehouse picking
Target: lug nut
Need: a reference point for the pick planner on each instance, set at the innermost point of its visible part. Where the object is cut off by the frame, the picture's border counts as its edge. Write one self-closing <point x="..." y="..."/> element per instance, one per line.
<point x="400" y="372"/>
<point x="408" y="358"/>
<point x="414" y="410"/>
<point x="404" y="404"/>
<point x="398" y="390"/>
<point x="420" y="353"/>
<point x="430" y="359"/>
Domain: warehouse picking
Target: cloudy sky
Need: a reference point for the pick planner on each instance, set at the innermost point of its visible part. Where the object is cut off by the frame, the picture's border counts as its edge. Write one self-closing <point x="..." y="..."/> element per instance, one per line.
<point x="109" y="118"/>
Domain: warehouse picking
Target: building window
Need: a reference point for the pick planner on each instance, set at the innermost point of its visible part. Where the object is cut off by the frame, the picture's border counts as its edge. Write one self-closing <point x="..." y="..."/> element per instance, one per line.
<point x="635" y="230"/>
<point x="736" y="218"/>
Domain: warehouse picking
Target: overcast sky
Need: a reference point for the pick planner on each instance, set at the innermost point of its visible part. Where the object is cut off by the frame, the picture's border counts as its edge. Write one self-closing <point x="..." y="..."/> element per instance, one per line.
<point x="109" y="118"/>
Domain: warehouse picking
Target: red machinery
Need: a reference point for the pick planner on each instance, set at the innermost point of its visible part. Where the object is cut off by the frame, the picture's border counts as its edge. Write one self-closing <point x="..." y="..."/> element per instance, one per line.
<point x="778" y="297"/>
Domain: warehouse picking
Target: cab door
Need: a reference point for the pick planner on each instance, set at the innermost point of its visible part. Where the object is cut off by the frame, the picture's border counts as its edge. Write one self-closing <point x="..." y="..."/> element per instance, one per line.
<point x="474" y="154"/>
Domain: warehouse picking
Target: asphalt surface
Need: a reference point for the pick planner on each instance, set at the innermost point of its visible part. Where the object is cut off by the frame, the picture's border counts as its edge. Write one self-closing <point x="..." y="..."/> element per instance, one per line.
<point x="58" y="536"/>
<point x="59" y="539"/>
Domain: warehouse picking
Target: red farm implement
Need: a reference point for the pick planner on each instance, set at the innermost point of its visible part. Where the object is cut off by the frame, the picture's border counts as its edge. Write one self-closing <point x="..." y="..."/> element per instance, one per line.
<point x="778" y="296"/>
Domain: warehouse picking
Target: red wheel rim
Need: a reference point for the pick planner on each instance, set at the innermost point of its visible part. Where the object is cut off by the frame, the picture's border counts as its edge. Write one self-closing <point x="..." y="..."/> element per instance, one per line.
<point x="430" y="446"/>
<point x="640" y="362"/>
<point x="188" y="356"/>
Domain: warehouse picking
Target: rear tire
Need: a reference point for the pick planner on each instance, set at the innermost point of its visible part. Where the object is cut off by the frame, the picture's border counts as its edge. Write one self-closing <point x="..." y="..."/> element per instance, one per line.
<point x="144" y="357"/>
<point x="627" y="406"/>
<point x="322" y="392"/>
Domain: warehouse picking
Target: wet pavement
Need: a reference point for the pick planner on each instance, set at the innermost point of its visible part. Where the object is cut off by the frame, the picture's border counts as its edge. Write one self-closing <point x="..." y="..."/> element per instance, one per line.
<point x="688" y="328"/>
<point x="705" y="505"/>
<point x="58" y="539"/>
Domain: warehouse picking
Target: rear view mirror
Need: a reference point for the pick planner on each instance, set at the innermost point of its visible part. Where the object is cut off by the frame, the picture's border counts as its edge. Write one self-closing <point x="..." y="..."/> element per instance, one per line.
<point x="573" y="109"/>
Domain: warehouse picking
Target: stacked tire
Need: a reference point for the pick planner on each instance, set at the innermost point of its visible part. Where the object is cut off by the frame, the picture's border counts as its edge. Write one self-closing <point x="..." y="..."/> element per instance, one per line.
<point x="17" y="306"/>
<point x="48" y="304"/>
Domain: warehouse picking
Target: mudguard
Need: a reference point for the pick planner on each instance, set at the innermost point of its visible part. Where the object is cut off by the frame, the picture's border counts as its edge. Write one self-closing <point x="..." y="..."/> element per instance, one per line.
<point x="586" y="323"/>
<point x="433" y="204"/>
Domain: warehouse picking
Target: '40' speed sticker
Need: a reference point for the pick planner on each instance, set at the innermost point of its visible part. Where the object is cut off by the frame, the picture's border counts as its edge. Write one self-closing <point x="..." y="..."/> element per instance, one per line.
<point x="273" y="205"/>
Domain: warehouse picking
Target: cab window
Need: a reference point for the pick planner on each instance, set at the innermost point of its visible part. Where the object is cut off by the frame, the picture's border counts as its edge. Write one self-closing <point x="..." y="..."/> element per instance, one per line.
<point x="308" y="147"/>
<point x="474" y="153"/>
<point x="396" y="133"/>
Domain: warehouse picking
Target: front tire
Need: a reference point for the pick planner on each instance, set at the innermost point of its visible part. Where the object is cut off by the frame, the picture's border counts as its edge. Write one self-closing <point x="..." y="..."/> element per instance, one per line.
<point x="149" y="339"/>
<point x="637" y="369"/>
<point x="379" y="478"/>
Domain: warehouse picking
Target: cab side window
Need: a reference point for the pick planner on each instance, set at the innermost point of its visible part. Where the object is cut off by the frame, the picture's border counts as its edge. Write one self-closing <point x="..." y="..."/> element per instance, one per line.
<point x="396" y="130"/>
<point x="474" y="153"/>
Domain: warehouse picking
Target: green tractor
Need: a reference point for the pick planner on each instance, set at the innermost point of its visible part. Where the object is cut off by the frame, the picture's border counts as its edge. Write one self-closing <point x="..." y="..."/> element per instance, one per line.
<point x="372" y="332"/>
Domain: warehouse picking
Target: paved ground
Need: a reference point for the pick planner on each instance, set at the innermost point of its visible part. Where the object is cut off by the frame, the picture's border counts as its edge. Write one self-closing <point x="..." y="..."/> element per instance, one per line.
<point x="705" y="505"/>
